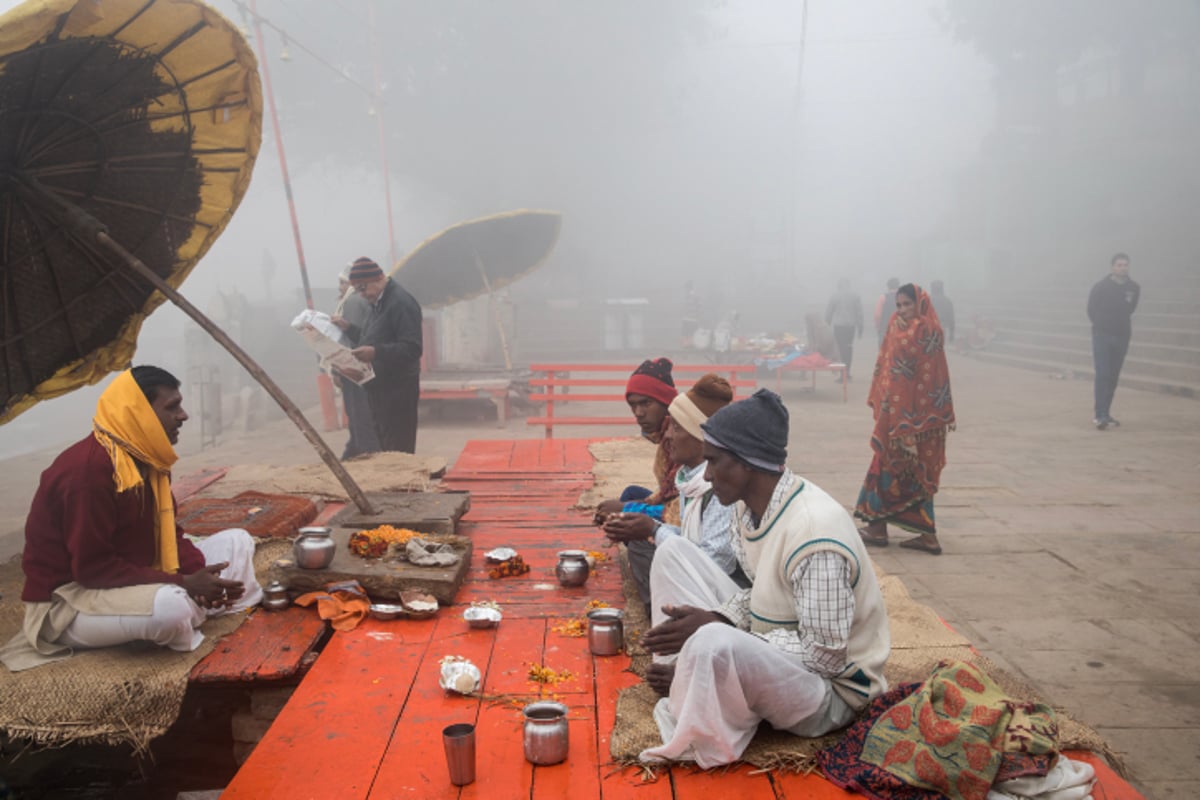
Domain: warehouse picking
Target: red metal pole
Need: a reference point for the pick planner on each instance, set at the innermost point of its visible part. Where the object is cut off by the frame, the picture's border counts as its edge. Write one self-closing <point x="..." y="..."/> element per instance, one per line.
<point x="387" y="183"/>
<point x="324" y="384"/>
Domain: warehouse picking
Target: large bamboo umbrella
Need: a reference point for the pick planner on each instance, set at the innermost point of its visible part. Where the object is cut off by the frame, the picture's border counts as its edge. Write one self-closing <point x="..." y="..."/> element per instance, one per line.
<point x="477" y="257"/>
<point x="128" y="133"/>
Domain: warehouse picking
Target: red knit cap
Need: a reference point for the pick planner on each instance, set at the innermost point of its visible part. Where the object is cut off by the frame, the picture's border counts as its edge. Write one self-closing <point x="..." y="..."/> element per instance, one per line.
<point x="653" y="379"/>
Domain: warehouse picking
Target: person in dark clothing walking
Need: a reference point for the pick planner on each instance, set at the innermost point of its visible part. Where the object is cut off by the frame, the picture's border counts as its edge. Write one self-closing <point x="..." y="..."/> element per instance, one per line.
<point x="943" y="308"/>
<point x="390" y="340"/>
<point x="885" y="306"/>
<point x="1110" y="308"/>
<point x="845" y="314"/>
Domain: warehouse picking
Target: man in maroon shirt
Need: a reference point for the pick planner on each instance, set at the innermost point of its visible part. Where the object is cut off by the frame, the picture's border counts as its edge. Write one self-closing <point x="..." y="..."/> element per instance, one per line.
<point x="104" y="561"/>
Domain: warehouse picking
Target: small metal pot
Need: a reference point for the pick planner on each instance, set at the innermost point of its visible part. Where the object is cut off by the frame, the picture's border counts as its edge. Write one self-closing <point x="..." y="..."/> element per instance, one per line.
<point x="546" y="734"/>
<point x="275" y="597"/>
<point x="572" y="568"/>
<point x="314" y="548"/>
<point x="606" y="631"/>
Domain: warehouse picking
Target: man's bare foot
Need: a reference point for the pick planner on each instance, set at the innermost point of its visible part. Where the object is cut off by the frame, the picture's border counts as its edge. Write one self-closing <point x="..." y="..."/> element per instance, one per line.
<point x="659" y="676"/>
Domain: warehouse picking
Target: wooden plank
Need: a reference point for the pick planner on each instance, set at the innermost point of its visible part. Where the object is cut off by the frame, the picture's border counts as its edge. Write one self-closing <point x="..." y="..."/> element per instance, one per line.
<point x="500" y="766"/>
<point x="518" y="643"/>
<point x="414" y="764"/>
<point x="797" y="786"/>
<point x="579" y="775"/>
<point x="269" y="646"/>
<point x="613" y="675"/>
<point x="329" y="738"/>
<point x="741" y="781"/>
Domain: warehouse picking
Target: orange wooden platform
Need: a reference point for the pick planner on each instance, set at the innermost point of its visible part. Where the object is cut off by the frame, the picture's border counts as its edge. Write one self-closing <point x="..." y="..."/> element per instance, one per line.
<point x="366" y="720"/>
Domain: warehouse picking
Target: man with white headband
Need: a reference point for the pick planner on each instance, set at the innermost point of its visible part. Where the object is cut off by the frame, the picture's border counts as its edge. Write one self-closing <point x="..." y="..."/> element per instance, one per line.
<point x="704" y="521"/>
<point x="804" y="647"/>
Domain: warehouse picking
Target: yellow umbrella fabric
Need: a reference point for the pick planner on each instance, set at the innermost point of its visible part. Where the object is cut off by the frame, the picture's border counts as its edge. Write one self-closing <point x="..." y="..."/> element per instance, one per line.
<point x="478" y="255"/>
<point x="146" y="114"/>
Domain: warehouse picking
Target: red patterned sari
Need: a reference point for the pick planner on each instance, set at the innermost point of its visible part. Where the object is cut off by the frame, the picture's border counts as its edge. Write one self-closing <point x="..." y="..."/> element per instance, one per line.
<point x="910" y="396"/>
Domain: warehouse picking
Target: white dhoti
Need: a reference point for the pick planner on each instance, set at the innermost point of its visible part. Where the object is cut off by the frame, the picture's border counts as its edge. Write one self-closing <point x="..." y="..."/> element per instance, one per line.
<point x="175" y="616"/>
<point x="728" y="680"/>
<point x="162" y="613"/>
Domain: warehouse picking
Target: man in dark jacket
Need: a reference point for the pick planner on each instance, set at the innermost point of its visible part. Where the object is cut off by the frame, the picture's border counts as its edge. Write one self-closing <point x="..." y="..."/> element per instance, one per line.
<point x="1110" y="308"/>
<point x="390" y="341"/>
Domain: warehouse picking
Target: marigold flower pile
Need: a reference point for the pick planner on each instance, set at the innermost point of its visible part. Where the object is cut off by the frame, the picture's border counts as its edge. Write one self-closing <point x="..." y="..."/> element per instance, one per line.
<point x="373" y="543"/>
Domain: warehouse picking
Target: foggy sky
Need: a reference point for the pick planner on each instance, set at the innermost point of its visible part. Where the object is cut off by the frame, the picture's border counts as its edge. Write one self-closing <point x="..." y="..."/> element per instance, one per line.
<point x="725" y="163"/>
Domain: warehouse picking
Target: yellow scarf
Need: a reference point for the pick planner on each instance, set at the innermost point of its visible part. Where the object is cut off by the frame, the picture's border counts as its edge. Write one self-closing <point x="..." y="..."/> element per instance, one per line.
<point x="127" y="427"/>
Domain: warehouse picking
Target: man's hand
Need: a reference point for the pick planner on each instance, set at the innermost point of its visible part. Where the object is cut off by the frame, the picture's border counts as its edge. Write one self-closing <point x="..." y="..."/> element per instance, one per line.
<point x="668" y="638"/>
<point x="365" y="353"/>
<point x="605" y="509"/>
<point x="626" y="527"/>
<point x="209" y="590"/>
<point x="340" y="322"/>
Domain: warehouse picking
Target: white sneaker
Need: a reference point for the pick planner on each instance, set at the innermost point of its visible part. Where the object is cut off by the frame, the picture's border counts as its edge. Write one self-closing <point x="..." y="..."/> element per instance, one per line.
<point x="1100" y="424"/>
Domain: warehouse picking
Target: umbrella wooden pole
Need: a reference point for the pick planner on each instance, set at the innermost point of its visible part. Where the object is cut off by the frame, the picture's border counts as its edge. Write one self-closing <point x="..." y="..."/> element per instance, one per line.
<point x="495" y="311"/>
<point x="243" y="358"/>
<point x="89" y="232"/>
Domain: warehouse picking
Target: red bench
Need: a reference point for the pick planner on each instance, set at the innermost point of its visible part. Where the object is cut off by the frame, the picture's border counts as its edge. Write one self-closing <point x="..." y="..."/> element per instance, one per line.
<point x="558" y="383"/>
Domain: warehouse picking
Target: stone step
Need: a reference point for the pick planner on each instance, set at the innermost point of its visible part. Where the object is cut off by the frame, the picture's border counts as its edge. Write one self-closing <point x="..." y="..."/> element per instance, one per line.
<point x="1077" y="315"/>
<point x="1129" y="379"/>
<point x="1139" y="348"/>
<point x="1081" y="359"/>
<point x="1083" y="329"/>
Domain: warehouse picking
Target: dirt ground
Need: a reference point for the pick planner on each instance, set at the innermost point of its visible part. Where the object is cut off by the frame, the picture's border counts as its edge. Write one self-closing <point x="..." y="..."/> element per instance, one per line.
<point x="1069" y="552"/>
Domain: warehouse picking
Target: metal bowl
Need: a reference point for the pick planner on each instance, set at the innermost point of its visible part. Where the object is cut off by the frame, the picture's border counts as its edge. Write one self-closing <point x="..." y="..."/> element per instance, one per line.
<point x="480" y="617"/>
<point x="418" y="605"/>
<point x="386" y="611"/>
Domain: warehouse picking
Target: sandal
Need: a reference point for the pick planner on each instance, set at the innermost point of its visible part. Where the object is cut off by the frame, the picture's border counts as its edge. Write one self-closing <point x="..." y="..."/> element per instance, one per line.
<point x="872" y="541"/>
<point x="919" y="544"/>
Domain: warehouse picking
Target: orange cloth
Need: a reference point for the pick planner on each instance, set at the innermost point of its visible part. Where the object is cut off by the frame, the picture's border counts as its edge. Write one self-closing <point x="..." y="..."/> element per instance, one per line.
<point x="343" y="609"/>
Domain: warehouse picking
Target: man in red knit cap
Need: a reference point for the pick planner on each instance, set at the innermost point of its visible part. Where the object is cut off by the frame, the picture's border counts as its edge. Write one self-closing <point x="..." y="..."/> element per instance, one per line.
<point x="649" y="391"/>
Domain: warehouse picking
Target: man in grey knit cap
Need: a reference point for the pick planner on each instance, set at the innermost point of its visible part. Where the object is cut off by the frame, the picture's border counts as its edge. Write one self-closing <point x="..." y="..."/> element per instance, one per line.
<point x="804" y="647"/>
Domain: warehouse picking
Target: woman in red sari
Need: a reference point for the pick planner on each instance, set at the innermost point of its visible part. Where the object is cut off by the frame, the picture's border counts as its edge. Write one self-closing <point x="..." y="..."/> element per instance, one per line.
<point x="910" y="396"/>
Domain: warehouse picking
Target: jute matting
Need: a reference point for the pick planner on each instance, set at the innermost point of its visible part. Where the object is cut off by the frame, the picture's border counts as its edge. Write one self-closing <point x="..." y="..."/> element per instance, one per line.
<point x="125" y="695"/>
<point x="920" y="641"/>
<point x="374" y="472"/>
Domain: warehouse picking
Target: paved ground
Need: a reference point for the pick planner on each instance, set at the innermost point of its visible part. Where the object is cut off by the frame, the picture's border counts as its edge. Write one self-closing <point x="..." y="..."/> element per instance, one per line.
<point x="1069" y="552"/>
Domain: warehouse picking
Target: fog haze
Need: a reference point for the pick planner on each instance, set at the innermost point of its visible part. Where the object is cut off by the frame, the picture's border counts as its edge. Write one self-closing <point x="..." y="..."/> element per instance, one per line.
<point x="762" y="149"/>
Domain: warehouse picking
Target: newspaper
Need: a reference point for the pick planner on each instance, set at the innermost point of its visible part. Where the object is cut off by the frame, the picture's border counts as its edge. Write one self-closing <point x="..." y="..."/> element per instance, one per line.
<point x="327" y="341"/>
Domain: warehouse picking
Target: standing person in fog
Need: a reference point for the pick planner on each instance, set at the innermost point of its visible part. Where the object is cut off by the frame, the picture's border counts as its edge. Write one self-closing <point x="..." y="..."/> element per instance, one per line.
<point x="845" y="314"/>
<point x="1110" y="308"/>
<point x="944" y="308"/>
<point x="390" y="341"/>
<point x="363" y="439"/>
<point x="884" y="307"/>
<point x="910" y="398"/>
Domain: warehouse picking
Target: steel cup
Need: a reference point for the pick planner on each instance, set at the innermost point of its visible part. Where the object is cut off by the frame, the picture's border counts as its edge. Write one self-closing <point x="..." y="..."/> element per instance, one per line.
<point x="459" y="741"/>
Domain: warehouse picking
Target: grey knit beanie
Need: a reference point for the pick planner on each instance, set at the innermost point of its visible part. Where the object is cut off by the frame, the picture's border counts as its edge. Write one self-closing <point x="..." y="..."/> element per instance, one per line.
<point x="754" y="429"/>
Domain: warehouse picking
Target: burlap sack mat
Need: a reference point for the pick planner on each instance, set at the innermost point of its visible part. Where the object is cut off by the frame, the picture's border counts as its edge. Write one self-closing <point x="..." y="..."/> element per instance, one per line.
<point x="125" y="695"/>
<point x="373" y="472"/>
<point x="920" y="640"/>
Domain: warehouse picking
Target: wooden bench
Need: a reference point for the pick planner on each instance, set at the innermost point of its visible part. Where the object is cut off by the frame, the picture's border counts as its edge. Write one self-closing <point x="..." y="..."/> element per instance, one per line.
<point x="558" y="383"/>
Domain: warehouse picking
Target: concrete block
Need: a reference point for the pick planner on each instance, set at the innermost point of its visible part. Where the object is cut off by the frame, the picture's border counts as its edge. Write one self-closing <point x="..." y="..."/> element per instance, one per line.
<point x="247" y="727"/>
<point x="268" y="702"/>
